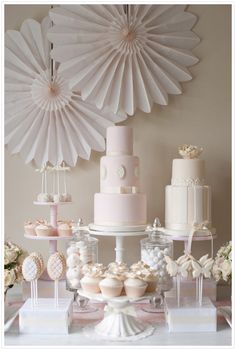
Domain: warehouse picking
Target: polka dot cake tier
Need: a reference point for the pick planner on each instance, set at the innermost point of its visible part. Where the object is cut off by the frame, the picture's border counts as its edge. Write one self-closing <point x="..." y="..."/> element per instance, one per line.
<point x="120" y="202"/>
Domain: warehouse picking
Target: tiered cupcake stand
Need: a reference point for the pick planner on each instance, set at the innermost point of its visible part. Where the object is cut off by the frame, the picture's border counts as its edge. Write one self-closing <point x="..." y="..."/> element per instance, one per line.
<point x="51" y="239"/>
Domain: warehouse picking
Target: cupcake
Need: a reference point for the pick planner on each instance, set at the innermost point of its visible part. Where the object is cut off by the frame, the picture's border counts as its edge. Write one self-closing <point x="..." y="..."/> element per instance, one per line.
<point x="93" y="274"/>
<point x="134" y="286"/>
<point x="44" y="230"/>
<point x="119" y="269"/>
<point x="139" y="266"/>
<point x="111" y="286"/>
<point x="29" y="227"/>
<point x="64" y="229"/>
<point x="150" y="276"/>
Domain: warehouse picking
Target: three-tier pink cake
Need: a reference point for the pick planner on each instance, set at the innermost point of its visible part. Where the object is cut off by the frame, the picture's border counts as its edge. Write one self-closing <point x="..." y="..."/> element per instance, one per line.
<point x="119" y="203"/>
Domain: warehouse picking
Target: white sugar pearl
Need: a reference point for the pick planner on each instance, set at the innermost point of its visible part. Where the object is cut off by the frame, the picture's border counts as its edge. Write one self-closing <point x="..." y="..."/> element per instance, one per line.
<point x="160" y="254"/>
<point x="75" y="283"/>
<point x="155" y="260"/>
<point x="157" y="249"/>
<point x="166" y="251"/>
<point x="73" y="273"/>
<point x="80" y="244"/>
<point x="71" y="250"/>
<point x="73" y="260"/>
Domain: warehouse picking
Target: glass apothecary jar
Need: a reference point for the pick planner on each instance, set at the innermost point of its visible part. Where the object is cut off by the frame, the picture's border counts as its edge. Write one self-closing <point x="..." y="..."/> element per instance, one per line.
<point x="153" y="251"/>
<point x="82" y="249"/>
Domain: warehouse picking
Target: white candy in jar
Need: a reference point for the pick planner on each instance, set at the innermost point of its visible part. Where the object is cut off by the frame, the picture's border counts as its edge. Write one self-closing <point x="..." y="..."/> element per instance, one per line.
<point x="72" y="249"/>
<point x="75" y="283"/>
<point x="73" y="260"/>
<point x="73" y="273"/>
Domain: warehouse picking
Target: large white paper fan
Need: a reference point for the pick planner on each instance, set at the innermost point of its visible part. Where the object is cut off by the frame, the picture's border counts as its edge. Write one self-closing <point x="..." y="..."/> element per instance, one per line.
<point x="124" y="57"/>
<point x="45" y="120"/>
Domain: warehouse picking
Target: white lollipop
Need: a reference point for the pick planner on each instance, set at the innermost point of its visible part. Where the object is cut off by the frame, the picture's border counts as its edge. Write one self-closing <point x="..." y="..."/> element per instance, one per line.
<point x="31" y="270"/>
<point x="56" y="268"/>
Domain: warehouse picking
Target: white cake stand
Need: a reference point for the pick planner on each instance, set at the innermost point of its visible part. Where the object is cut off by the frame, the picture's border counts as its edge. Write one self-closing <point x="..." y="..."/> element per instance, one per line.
<point x="52" y="240"/>
<point x="119" y="232"/>
<point x="119" y="322"/>
<point x="200" y="235"/>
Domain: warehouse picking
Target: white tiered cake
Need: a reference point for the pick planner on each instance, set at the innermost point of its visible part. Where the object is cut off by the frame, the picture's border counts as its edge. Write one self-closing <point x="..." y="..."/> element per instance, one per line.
<point x="120" y="203"/>
<point x="188" y="200"/>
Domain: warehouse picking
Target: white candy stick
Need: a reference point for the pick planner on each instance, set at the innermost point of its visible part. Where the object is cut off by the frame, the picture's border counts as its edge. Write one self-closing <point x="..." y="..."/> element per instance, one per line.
<point x="178" y="288"/>
<point x="31" y="292"/>
<point x="53" y="182"/>
<point x="46" y="184"/>
<point x="201" y="288"/>
<point x="42" y="183"/>
<point x="64" y="173"/>
<point x="197" y="288"/>
<point x="36" y="290"/>
<point x="58" y="185"/>
<point x="56" y="292"/>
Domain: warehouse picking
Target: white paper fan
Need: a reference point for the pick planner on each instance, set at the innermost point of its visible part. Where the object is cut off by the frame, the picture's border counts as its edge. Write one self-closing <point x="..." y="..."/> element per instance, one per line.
<point x="45" y="119"/>
<point x="124" y="59"/>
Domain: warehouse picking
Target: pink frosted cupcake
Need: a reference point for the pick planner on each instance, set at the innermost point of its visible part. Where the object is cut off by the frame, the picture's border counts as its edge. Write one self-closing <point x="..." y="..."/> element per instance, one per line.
<point x="134" y="286"/>
<point x="44" y="230"/>
<point x="29" y="227"/>
<point x="147" y="274"/>
<point x="111" y="286"/>
<point x="93" y="274"/>
<point x="64" y="229"/>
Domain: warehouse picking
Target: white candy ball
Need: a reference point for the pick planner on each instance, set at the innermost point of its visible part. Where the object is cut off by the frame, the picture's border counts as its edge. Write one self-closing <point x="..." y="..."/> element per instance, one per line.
<point x="162" y="273"/>
<point x="71" y="250"/>
<point x="160" y="254"/>
<point x="80" y="244"/>
<point x="75" y="283"/>
<point x="73" y="273"/>
<point x="155" y="260"/>
<point x="73" y="260"/>
<point x="166" y="251"/>
<point x="157" y="249"/>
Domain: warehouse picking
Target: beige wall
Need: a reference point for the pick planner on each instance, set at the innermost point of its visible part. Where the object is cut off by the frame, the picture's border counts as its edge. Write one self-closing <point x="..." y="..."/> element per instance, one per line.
<point x="200" y="116"/>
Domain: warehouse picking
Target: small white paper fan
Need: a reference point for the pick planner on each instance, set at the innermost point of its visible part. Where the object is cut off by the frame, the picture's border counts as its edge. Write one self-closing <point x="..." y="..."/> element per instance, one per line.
<point x="124" y="59"/>
<point x="45" y="120"/>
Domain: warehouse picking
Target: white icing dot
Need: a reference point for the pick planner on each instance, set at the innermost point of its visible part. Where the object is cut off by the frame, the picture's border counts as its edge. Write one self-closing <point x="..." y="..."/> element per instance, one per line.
<point x="121" y="172"/>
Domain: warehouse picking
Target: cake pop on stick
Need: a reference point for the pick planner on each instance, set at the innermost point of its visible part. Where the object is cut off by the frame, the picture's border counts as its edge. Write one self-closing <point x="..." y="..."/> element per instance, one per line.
<point x="31" y="270"/>
<point x="56" y="268"/>
<point x="178" y="268"/>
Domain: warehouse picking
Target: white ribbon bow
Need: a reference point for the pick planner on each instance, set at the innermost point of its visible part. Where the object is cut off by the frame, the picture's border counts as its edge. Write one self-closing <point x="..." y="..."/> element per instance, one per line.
<point x="204" y="226"/>
<point x="127" y="310"/>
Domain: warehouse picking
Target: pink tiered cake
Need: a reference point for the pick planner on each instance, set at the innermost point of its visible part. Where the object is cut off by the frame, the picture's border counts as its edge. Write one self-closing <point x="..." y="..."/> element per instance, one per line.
<point x="120" y="203"/>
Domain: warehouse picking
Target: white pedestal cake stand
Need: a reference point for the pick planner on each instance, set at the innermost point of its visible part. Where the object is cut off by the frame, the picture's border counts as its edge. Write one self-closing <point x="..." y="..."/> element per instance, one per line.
<point x="51" y="239"/>
<point x="119" y="322"/>
<point x="119" y="232"/>
<point x="200" y="235"/>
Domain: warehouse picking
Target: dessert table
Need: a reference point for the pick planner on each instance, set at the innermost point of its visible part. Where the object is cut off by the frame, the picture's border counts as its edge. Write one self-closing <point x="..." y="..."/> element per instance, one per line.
<point x="78" y="337"/>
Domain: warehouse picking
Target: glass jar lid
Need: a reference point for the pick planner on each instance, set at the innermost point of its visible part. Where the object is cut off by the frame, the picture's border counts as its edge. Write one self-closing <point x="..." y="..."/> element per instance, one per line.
<point x="80" y="231"/>
<point x="156" y="237"/>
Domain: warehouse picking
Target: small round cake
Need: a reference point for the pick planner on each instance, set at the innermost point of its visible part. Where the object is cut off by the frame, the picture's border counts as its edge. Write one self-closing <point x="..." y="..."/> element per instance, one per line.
<point x="44" y="230"/>
<point x="58" y="197"/>
<point x="64" y="230"/>
<point x="135" y="287"/>
<point x="29" y="227"/>
<point x="111" y="286"/>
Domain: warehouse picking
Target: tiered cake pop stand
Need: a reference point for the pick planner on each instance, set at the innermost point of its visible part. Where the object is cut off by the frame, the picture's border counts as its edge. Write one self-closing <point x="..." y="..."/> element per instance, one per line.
<point x="120" y="322"/>
<point x="51" y="239"/>
<point x="119" y="232"/>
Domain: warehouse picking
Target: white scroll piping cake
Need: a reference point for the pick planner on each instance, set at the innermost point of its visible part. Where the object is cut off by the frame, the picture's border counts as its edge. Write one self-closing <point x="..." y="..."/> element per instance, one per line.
<point x="120" y="203"/>
<point x="188" y="199"/>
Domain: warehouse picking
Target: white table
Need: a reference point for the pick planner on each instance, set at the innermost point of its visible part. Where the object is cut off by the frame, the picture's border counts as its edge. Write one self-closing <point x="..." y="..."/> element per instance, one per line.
<point x="160" y="337"/>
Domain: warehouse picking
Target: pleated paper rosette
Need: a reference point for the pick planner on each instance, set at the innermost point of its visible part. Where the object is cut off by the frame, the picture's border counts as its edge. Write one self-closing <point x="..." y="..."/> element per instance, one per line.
<point x="124" y="57"/>
<point x="45" y="120"/>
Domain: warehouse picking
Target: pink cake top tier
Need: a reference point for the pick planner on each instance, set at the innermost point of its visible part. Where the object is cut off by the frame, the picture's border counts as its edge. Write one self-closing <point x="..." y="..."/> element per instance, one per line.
<point x="119" y="140"/>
